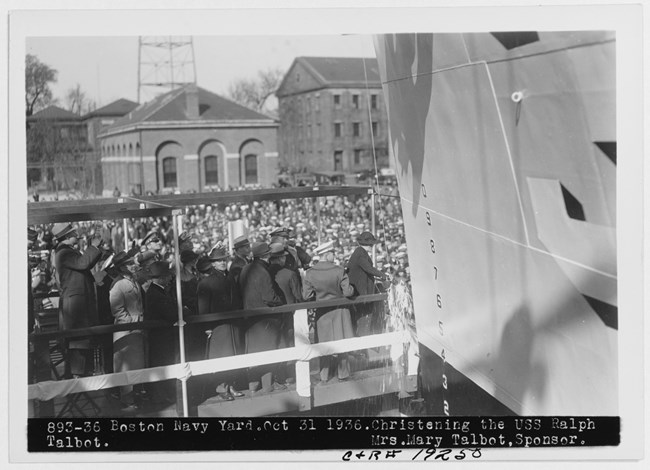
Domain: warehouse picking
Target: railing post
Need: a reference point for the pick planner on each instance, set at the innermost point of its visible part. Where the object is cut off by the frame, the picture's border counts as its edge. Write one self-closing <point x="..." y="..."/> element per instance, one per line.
<point x="301" y="341"/>
<point x="179" y="297"/>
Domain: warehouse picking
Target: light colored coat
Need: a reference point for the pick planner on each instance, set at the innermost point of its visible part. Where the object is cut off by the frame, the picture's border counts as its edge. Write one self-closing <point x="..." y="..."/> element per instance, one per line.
<point x="127" y="304"/>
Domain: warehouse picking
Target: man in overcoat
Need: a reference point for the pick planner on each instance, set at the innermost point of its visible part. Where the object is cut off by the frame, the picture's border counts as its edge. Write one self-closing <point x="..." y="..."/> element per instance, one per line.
<point x="362" y="276"/>
<point x="78" y="301"/>
<point x="326" y="281"/>
<point x="263" y="333"/>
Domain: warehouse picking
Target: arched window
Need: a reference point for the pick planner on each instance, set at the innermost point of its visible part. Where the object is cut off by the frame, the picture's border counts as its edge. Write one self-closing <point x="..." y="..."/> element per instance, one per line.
<point x="211" y="170"/>
<point x="169" y="172"/>
<point x="130" y="149"/>
<point x="250" y="169"/>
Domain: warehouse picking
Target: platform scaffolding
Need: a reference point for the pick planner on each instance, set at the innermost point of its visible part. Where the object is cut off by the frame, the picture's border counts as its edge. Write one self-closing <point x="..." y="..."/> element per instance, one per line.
<point x="400" y="377"/>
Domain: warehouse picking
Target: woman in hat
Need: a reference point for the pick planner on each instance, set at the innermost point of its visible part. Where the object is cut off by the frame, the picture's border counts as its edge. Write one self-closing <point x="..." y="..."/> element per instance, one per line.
<point x="127" y="306"/>
<point x="217" y="292"/>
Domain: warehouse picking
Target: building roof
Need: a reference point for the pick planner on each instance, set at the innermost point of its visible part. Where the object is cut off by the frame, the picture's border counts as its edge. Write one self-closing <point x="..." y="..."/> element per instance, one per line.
<point x="116" y="108"/>
<point x="344" y="70"/>
<point x="54" y="113"/>
<point x="173" y="107"/>
<point x="335" y="72"/>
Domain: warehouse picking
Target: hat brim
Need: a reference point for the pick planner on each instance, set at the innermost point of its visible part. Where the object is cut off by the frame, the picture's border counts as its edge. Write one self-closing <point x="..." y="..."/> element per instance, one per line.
<point x="65" y="233"/>
<point x="368" y="242"/>
<point x="281" y="253"/>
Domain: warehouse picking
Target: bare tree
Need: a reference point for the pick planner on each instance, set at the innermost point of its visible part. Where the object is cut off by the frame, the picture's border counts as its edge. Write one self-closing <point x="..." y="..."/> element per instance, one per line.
<point x="38" y="77"/>
<point x="76" y="100"/>
<point x="254" y="93"/>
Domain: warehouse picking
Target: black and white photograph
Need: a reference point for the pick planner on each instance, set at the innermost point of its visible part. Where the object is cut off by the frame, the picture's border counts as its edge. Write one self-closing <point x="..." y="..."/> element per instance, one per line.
<point x="325" y="234"/>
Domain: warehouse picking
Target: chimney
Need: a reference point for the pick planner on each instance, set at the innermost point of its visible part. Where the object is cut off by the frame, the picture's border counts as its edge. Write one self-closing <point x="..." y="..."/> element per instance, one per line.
<point x="192" y="101"/>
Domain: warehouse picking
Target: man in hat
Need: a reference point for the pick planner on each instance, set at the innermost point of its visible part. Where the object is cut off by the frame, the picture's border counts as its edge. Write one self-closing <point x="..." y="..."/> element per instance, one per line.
<point x="264" y="333"/>
<point x="326" y="281"/>
<point x="241" y="257"/>
<point x="163" y="342"/>
<point x="362" y="275"/>
<point x="218" y="293"/>
<point x="77" y="302"/>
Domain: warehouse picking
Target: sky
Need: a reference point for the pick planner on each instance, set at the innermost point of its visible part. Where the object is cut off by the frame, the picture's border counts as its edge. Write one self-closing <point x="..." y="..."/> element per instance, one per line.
<point x="107" y="67"/>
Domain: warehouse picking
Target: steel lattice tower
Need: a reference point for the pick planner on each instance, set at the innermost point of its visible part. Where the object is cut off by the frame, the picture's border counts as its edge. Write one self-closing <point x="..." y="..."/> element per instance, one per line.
<point x="164" y="63"/>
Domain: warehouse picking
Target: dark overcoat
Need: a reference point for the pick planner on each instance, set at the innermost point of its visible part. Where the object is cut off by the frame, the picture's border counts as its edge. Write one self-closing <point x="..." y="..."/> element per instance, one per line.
<point x="163" y="342"/>
<point x="289" y="283"/>
<point x="236" y="267"/>
<point x="361" y="272"/>
<point x="77" y="297"/>
<point x="260" y="290"/>
<point x="218" y="293"/>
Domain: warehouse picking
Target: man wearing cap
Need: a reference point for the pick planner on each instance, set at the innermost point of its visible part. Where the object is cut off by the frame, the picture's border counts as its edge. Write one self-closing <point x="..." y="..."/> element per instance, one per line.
<point x="152" y="242"/>
<point x="217" y="293"/>
<point x="163" y="342"/>
<point x="300" y="254"/>
<point x="242" y="253"/>
<point x="77" y="303"/>
<point x="362" y="275"/>
<point x="282" y="235"/>
<point x="326" y="281"/>
<point x="287" y="279"/>
<point x="264" y="333"/>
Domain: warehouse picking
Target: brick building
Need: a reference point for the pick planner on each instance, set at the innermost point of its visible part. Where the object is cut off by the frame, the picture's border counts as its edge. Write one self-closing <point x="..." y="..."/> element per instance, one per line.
<point x="331" y="112"/>
<point x="59" y="157"/>
<point x="188" y="139"/>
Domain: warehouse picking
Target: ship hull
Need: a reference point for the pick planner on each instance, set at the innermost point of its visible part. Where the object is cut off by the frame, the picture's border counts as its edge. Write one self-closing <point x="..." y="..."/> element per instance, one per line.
<point x="504" y="148"/>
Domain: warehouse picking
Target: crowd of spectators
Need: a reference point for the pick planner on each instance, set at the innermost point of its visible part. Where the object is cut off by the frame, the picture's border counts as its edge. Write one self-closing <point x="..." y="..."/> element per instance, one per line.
<point x="341" y="220"/>
<point x="338" y="222"/>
